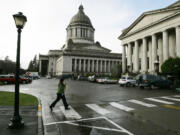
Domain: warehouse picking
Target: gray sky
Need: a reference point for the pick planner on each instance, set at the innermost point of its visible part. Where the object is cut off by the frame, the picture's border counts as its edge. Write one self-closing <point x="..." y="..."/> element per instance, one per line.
<point x="48" y="19"/>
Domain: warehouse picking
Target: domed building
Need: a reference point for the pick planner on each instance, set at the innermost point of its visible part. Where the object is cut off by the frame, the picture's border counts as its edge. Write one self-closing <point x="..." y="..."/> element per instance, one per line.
<point x="80" y="55"/>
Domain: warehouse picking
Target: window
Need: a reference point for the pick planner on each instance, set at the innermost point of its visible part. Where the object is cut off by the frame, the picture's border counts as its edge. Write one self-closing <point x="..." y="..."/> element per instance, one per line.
<point x="81" y="32"/>
<point x="71" y="32"/>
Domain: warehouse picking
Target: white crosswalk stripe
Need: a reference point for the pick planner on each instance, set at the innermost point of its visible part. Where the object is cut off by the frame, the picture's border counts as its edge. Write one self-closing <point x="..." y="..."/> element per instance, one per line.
<point x="98" y="109"/>
<point x="71" y="113"/>
<point x="159" y="101"/>
<point x="173" y="99"/>
<point x="121" y="107"/>
<point x="141" y="103"/>
<point x="177" y="96"/>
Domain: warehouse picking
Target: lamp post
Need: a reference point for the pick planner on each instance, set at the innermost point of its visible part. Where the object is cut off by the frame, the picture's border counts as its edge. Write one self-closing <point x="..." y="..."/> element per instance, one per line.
<point x="16" y="121"/>
<point x="156" y="65"/>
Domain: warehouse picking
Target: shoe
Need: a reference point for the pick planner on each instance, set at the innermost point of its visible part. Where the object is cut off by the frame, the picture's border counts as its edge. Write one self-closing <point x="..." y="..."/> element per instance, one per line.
<point x="51" y="108"/>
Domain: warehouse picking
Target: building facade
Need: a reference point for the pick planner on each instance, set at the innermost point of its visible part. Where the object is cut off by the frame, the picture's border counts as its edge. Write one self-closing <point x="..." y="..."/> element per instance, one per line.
<point x="151" y="39"/>
<point x="80" y="55"/>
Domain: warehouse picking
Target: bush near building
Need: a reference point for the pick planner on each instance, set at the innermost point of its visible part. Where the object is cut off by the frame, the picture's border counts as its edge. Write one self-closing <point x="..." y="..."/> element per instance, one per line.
<point x="172" y="67"/>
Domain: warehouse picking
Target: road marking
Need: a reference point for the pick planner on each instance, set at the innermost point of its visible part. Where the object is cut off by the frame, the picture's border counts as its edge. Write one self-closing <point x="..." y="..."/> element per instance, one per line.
<point x="95" y="127"/>
<point x="174" y="99"/>
<point x="121" y="107"/>
<point x="98" y="109"/>
<point x="141" y="103"/>
<point x="71" y="113"/>
<point x="172" y="107"/>
<point x="176" y="95"/>
<point x="160" y="101"/>
<point x="123" y="129"/>
<point x="120" y="129"/>
<point x="86" y="119"/>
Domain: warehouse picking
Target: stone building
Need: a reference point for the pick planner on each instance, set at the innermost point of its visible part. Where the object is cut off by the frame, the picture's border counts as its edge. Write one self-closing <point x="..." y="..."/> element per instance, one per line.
<point x="80" y="54"/>
<point x="151" y="38"/>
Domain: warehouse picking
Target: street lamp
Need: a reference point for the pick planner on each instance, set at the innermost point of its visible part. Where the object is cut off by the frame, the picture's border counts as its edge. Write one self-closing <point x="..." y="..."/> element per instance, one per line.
<point x="156" y="65"/>
<point x="16" y="121"/>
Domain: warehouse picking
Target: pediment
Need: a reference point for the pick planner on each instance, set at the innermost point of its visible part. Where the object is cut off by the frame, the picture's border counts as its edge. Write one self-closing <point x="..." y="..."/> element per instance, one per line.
<point x="175" y="4"/>
<point x="148" y="19"/>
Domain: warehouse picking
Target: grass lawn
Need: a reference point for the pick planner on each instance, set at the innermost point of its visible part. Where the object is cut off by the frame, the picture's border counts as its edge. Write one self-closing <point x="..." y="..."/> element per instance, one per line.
<point x="7" y="99"/>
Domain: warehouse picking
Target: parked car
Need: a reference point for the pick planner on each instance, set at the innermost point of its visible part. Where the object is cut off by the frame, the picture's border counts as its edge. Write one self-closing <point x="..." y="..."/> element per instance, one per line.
<point x="93" y="78"/>
<point x="100" y="80"/>
<point x="28" y="79"/>
<point x="127" y="81"/>
<point x="82" y="78"/>
<point x="10" y="79"/>
<point x="48" y="77"/>
<point x="106" y="80"/>
<point x="153" y="81"/>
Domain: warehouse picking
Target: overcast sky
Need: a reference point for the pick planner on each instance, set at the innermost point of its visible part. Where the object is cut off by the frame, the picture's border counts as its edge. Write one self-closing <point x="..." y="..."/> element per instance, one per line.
<point x="48" y="19"/>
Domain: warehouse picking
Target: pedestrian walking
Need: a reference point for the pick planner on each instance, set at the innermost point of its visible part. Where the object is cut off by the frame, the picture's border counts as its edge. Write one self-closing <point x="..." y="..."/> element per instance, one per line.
<point x="60" y="95"/>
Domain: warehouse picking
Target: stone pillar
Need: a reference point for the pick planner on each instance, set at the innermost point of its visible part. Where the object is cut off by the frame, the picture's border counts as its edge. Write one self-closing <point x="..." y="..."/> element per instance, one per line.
<point x="165" y="46"/>
<point x="172" y="44"/>
<point x="144" y="66"/>
<point x="160" y="52"/>
<point x="92" y="65"/>
<point x="105" y="69"/>
<point x="123" y="59"/>
<point x="97" y="66"/>
<point x="178" y="41"/>
<point x="129" y="55"/>
<point x="150" y="55"/>
<point x="154" y="51"/>
<point x="136" y="52"/>
<point x="84" y="65"/>
<point x="88" y="65"/>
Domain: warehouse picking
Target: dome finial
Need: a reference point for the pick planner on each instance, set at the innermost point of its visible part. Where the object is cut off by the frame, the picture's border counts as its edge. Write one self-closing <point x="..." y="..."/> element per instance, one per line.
<point x="81" y="8"/>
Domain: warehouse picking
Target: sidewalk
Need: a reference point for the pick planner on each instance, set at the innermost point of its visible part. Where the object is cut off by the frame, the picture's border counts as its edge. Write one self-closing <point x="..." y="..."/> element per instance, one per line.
<point x="29" y="116"/>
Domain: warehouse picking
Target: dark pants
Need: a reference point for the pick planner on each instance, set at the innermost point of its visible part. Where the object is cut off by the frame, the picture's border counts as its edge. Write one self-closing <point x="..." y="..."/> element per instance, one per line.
<point x="59" y="96"/>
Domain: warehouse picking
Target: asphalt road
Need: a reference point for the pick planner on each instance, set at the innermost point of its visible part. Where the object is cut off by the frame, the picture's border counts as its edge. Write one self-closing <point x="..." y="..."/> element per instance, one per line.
<point x="106" y="109"/>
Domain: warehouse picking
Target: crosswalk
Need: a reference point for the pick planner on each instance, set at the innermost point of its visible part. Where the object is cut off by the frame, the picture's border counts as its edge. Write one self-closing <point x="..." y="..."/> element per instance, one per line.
<point x="149" y="102"/>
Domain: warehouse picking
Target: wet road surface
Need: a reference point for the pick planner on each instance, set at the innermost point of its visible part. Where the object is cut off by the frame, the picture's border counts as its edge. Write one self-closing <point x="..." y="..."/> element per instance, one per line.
<point x="103" y="109"/>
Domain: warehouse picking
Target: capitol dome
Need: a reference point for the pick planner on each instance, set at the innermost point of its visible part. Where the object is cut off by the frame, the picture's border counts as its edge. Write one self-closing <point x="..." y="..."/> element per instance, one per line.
<point x="80" y="18"/>
<point x="80" y="29"/>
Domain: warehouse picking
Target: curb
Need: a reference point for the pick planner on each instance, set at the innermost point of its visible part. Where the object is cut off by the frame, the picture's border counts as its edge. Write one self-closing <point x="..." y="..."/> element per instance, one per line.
<point x="40" y="121"/>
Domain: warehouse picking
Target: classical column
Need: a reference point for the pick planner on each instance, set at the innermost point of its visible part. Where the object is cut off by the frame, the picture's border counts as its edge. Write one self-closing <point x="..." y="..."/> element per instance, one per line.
<point x="154" y="51"/>
<point x="150" y="54"/>
<point x="105" y="70"/>
<point x="144" y="66"/>
<point x="172" y="45"/>
<point x="136" y="54"/>
<point x="123" y="59"/>
<point x="84" y="65"/>
<point x="160" y="52"/>
<point x="129" y="55"/>
<point x="165" y="46"/>
<point x="92" y="65"/>
<point x="88" y="65"/>
<point x="97" y="66"/>
<point x="79" y="65"/>
<point x="178" y="41"/>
